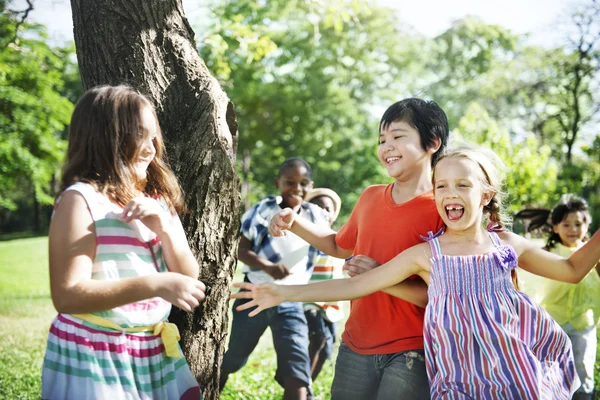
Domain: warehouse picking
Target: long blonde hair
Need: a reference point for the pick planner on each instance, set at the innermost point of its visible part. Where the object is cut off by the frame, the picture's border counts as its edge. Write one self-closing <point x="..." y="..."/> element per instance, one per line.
<point x="104" y="137"/>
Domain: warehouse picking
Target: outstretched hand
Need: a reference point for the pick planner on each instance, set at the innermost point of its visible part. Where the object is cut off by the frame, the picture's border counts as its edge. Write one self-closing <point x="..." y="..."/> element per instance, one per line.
<point x="265" y="295"/>
<point x="281" y="222"/>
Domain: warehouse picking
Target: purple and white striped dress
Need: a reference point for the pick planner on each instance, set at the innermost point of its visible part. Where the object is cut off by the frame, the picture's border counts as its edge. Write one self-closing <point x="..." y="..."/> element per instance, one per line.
<point x="486" y="340"/>
<point x="87" y="361"/>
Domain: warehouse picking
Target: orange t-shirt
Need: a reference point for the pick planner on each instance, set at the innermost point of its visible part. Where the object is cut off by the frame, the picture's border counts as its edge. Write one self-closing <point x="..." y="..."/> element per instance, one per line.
<point x="379" y="228"/>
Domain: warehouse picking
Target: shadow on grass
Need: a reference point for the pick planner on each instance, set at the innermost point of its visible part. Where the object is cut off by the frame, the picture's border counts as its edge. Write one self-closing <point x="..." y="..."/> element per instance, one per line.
<point x="20" y="235"/>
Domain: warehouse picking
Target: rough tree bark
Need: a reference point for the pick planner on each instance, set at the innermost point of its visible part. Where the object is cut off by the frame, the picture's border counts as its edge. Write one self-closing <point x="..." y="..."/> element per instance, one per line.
<point x="150" y="45"/>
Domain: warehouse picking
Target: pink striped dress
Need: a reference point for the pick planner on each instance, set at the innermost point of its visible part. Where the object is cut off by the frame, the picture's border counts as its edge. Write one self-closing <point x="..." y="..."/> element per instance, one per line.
<point x="87" y="361"/>
<point x="486" y="340"/>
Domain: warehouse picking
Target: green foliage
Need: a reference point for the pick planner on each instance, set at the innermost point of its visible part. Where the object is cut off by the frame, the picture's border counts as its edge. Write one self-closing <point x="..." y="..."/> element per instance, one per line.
<point x="458" y="62"/>
<point x="33" y="112"/>
<point x="301" y="76"/>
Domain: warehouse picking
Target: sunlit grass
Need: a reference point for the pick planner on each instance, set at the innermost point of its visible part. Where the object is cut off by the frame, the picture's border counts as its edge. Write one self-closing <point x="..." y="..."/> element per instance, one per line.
<point x="26" y="312"/>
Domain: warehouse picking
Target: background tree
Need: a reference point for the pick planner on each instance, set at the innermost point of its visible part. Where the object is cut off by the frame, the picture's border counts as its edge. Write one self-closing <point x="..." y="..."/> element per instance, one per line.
<point x="304" y="77"/>
<point x="33" y="115"/>
<point x="152" y="48"/>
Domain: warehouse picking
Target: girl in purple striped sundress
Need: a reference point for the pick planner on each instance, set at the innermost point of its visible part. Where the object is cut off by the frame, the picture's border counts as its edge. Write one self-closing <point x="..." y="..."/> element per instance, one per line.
<point x="118" y="259"/>
<point x="483" y="338"/>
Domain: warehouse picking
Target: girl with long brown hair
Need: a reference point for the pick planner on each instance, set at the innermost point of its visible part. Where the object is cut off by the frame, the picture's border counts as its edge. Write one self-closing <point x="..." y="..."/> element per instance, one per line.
<point x="119" y="259"/>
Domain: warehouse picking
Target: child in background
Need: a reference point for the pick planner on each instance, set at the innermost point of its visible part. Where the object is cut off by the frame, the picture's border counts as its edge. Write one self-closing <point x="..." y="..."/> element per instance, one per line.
<point x="381" y="352"/>
<point x="484" y="339"/>
<point x="118" y="259"/>
<point x="576" y="307"/>
<point x="283" y="261"/>
<point x="320" y="316"/>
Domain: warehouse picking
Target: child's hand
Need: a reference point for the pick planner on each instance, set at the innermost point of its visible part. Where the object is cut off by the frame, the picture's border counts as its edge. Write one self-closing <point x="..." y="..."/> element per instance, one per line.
<point x="281" y="222"/>
<point x="149" y="212"/>
<point x="359" y="265"/>
<point x="180" y="290"/>
<point x="265" y="295"/>
<point x="277" y="271"/>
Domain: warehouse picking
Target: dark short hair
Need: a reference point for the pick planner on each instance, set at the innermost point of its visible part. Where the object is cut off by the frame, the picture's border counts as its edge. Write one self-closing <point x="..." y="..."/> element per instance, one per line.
<point x="294" y="162"/>
<point x="426" y="117"/>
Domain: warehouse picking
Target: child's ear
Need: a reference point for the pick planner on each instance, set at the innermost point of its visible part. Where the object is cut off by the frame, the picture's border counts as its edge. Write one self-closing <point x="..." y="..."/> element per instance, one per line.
<point x="555" y="228"/>
<point x="435" y="146"/>
<point x="486" y="198"/>
<point x="276" y="183"/>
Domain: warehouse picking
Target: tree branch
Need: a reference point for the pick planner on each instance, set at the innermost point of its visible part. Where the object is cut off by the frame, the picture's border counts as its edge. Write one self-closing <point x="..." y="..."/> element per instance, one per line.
<point x="20" y="22"/>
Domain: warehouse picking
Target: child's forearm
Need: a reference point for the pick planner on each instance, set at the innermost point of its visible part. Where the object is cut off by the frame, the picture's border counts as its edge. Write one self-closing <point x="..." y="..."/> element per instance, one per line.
<point x="413" y="291"/>
<point x="178" y="256"/>
<point x="331" y="290"/>
<point x="320" y="237"/>
<point x="586" y="257"/>
<point x="95" y="295"/>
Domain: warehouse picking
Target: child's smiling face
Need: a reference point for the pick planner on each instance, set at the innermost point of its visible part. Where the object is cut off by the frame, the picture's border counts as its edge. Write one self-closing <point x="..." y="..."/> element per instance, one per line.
<point x="146" y="150"/>
<point x="459" y="192"/>
<point x="572" y="229"/>
<point x="294" y="184"/>
<point x="400" y="149"/>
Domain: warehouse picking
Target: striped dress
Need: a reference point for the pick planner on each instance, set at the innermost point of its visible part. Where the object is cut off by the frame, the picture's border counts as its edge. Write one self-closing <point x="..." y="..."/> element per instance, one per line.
<point x="87" y="361"/>
<point x="486" y="340"/>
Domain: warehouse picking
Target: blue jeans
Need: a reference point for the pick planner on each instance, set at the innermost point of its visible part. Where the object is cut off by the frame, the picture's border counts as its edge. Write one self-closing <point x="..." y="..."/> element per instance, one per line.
<point x="290" y="339"/>
<point x="380" y="376"/>
<point x="321" y="330"/>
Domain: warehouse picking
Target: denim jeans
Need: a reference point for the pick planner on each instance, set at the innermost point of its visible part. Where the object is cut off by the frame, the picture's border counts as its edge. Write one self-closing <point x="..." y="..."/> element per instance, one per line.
<point x="290" y="339"/>
<point x="380" y="376"/>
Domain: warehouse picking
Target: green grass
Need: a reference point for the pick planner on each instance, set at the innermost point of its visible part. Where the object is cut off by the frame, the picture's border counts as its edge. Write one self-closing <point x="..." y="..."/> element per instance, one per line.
<point x="25" y="315"/>
<point x="26" y="312"/>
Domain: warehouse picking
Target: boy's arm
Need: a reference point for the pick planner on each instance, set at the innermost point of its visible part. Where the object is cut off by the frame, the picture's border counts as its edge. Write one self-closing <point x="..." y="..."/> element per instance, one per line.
<point x="413" y="291"/>
<point x="318" y="236"/>
<point x="253" y="260"/>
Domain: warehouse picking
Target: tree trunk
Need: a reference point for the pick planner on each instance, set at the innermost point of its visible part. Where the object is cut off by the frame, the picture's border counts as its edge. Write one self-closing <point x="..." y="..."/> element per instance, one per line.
<point x="150" y="46"/>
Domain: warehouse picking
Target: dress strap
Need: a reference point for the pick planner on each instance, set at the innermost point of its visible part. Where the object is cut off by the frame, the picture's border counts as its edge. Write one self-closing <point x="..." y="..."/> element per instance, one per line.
<point x="495" y="239"/>
<point x="432" y="239"/>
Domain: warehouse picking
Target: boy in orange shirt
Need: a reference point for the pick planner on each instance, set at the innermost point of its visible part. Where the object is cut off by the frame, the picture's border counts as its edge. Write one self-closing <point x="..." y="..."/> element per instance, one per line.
<point x="381" y="355"/>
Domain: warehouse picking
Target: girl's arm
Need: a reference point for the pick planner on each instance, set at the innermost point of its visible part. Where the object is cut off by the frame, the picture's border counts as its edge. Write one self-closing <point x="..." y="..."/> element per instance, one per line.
<point x="413" y="291"/>
<point x="168" y="228"/>
<point x="408" y="263"/>
<point x="72" y="245"/>
<point x="549" y="265"/>
<point x="318" y="236"/>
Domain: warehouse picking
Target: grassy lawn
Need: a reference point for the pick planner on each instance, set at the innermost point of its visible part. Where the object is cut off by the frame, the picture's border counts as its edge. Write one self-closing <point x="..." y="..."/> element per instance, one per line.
<point x="25" y="315"/>
<point x="26" y="312"/>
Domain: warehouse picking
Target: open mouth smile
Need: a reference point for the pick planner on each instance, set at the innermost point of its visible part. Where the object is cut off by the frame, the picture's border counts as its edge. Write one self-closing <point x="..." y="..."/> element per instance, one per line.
<point x="454" y="211"/>
<point x="391" y="160"/>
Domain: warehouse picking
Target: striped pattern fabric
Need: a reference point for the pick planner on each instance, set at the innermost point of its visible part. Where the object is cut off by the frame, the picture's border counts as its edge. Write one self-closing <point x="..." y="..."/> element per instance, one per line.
<point x="327" y="267"/>
<point x="486" y="340"/>
<point x="87" y="361"/>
